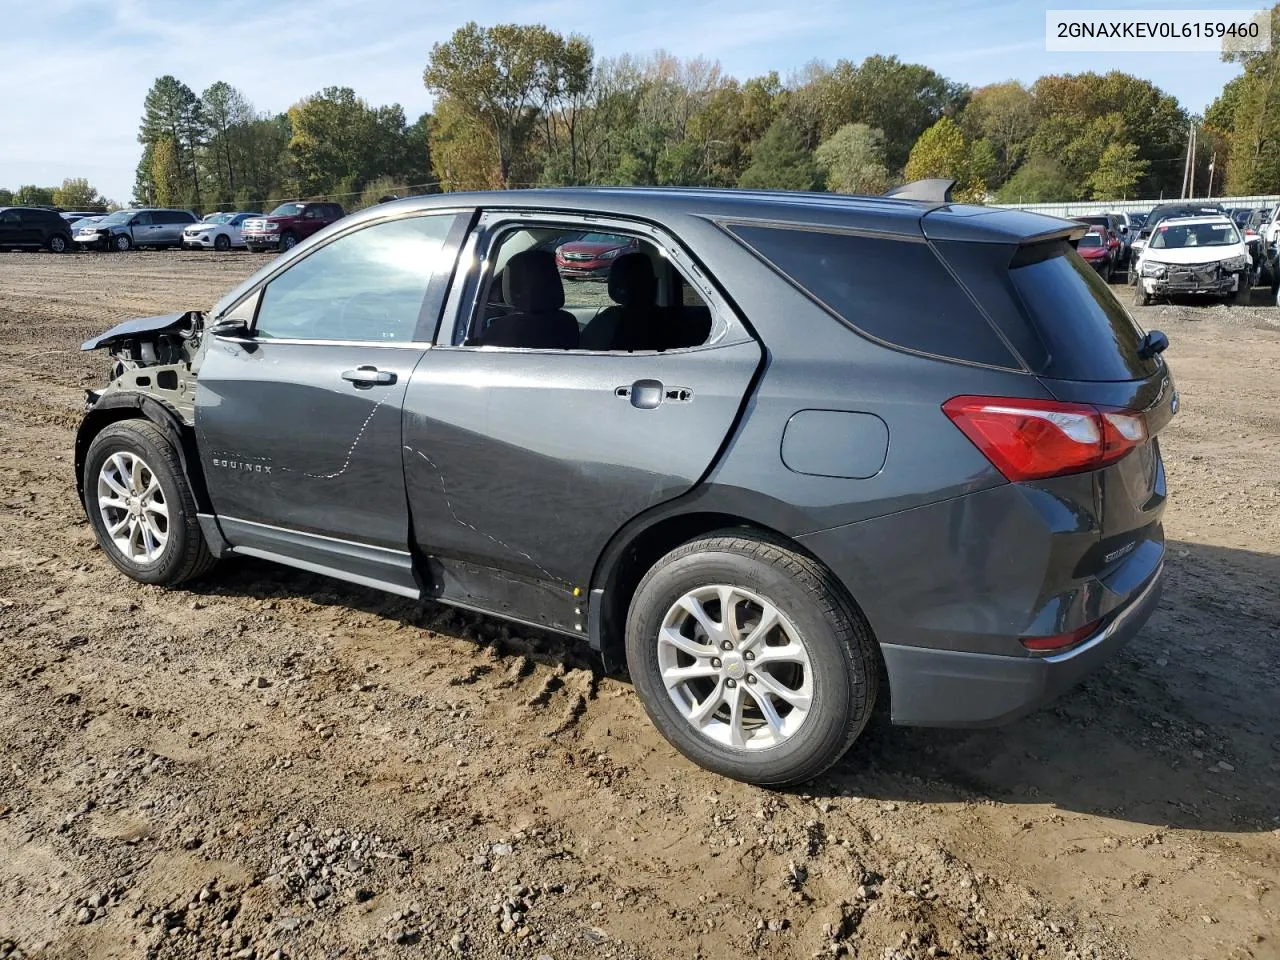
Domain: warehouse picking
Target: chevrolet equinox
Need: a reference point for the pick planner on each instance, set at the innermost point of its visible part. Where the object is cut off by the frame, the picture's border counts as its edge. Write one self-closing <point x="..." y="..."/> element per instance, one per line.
<point x="800" y="452"/>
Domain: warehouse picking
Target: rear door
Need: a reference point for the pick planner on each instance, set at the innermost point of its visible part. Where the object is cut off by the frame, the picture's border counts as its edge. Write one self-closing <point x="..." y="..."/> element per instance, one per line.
<point x="298" y="421"/>
<point x="522" y="462"/>
<point x="11" y="228"/>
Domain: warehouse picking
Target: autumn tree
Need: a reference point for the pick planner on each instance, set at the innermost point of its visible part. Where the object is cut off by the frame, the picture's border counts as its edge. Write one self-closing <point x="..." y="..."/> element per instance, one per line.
<point x="166" y="175"/>
<point x="943" y="152"/>
<point x="1039" y="180"/>
<point x="1005" y="115"/>
<point x="340" y="142"/>
<point x="853" y="160"/>
<point x="496" y="77"/>
<point x="1118" y="173"/>
<point x="76" y="194"/>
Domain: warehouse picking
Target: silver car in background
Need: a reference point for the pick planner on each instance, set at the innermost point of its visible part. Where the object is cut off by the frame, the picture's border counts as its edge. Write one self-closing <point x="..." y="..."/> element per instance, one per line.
<point x="126" y="229"/>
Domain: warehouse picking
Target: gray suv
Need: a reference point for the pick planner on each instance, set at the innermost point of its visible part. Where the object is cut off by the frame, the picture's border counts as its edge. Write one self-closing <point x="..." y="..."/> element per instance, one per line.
<point x="126" y="229"/>
<point x="799" y="454"/>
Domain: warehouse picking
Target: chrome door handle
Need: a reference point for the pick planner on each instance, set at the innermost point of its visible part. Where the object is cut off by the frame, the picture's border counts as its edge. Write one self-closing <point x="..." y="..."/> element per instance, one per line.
<point x="368" y="375"/>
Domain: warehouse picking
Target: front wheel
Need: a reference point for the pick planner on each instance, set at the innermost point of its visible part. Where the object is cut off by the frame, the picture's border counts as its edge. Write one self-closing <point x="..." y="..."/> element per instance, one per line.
<point x="122" y="243"/>
<point x="288" y="241"/>
<point x="222" y="242"/>
<point x="1244" y="288"/>
<point x="750" y="660"/>
<point x="59" y="243"/>
<point x="140" y="505"/>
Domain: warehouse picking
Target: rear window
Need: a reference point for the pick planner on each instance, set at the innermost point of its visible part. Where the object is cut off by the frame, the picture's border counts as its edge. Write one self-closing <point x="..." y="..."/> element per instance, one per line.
<point x="896" y="291"/>
<point x="1058" y="314"/>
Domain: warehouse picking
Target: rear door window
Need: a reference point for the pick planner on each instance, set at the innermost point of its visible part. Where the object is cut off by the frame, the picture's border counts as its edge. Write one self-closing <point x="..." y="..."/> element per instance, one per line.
<point x="893" y="290"/>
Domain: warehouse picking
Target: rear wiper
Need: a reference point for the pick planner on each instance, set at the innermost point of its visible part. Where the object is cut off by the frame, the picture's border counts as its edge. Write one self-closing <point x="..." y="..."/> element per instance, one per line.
<point x="1154" y="342"/>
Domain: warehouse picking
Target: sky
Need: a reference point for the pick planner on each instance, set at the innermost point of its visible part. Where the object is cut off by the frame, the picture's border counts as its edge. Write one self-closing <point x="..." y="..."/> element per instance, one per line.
<point x="73" y="73"/>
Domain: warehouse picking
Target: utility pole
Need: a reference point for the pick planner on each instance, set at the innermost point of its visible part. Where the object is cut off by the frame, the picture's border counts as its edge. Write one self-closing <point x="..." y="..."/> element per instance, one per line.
<point x="1212" y="160"/>
<point x="1186" y="164"/>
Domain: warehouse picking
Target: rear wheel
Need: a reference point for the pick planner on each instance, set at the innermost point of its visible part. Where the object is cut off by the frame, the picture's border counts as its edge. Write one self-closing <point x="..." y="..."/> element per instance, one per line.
<point x="749" y="659"/>
<point x="141" y="507"/>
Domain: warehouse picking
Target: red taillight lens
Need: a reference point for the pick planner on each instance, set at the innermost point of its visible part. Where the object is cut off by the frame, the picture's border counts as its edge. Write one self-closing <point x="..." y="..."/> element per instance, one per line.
<point x="1034" y="439"/>
<point x="1060" y="641"/>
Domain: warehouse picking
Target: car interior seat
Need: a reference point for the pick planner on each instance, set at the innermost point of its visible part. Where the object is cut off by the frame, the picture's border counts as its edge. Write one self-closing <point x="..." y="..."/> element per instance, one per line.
<point x="532" y="286"/>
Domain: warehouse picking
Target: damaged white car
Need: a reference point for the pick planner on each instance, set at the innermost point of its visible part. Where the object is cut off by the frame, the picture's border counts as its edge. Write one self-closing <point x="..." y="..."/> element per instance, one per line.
<point x="1196" y="255"/>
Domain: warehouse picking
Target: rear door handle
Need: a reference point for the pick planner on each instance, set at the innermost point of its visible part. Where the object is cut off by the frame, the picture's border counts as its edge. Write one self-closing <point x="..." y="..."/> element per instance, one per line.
<point x="648" y="394"/>
<point x="368" y="375"/>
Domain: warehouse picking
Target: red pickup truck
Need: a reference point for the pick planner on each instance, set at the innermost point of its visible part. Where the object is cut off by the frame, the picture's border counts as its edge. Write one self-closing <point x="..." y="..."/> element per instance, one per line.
<point x="289" y="223"/>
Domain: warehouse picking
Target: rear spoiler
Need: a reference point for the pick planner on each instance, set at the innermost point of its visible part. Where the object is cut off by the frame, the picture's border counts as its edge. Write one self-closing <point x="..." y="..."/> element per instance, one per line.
<point x="187" y="323"/>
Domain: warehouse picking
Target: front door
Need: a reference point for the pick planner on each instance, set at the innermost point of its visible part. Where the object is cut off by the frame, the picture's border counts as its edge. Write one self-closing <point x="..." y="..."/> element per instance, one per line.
<point x="523" y="461"/>
<point x="298" y="421"/>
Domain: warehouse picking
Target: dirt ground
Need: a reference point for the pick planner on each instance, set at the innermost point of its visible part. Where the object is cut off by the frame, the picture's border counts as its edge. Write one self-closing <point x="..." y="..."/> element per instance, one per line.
<point x="268" y="763"/>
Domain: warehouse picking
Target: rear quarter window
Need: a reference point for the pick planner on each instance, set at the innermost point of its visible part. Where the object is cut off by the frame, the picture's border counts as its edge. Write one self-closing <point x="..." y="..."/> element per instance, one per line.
<point x="892" y="290"/>
<point x="1060" y="316"/>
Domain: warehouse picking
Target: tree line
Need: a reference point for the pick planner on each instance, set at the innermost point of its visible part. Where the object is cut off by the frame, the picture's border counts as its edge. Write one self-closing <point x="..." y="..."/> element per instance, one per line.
<point x="522" y="105"/>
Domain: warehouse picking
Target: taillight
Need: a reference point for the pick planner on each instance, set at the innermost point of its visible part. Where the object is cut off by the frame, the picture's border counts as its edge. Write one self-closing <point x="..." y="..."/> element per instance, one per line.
<point x="1034" y="439"/>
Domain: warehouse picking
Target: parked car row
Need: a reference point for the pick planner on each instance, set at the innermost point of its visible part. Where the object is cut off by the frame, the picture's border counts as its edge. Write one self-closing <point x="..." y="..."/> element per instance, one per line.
<point x="159" y="227"/>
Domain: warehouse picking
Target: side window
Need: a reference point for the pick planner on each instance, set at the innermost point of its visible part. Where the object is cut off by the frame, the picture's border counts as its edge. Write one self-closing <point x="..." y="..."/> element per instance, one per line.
<point x="10" y="217"/>
<point x="367" y="285"/>
<point x="551" y="287"/>
<point x="896" y="291"/>
<point x="142" y="220"/>
<point x="312" y="213"/>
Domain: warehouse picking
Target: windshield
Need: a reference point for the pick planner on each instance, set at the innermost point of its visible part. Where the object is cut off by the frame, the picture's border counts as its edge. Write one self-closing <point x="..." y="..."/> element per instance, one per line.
<point x="602" y="238"/>
<point x="218" y="218"/>
<point x="288" y="210"/>
<point x="1175" y="236"/>
<point x="1091" y="240"/>
<point x="120" y="216"/>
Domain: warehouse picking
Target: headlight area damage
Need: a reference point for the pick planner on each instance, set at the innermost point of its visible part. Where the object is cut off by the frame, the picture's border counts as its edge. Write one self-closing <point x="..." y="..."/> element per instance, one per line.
<point x="155" y="356"/>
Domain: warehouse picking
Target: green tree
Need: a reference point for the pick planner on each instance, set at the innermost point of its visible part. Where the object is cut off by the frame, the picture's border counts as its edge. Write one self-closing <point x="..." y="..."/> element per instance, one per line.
<point x="225" y="112"/>
<point x="1005" y="115"/>
<point x="76" y="194"/>
<point x="29" y="195"/>
<point x="1253" y="102"/>
<point x="1119" y="171"/>
<point x="339" y="141"/>
<point x="6" y="197"/>
<point x="496" y="76"/>
<point x="942" y="151"/>
<point x="780" y="161"/>
<point x="853" y="160"/>
<point x="1039" y="180"/>
<point x="171" y="111"/>
<point x="167" y="183"/>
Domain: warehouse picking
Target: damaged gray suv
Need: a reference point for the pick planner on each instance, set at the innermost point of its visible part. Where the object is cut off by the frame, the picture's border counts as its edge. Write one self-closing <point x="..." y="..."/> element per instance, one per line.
<point x="800" y="453"/>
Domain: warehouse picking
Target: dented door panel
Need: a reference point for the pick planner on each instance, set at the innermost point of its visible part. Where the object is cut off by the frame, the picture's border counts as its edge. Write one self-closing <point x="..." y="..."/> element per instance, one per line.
<point x="286" y="440"/>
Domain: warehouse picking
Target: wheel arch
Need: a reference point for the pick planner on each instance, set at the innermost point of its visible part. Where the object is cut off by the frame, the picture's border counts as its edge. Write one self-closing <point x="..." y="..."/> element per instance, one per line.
<point x="644" y="540"/>
<point x="115" y="407"/>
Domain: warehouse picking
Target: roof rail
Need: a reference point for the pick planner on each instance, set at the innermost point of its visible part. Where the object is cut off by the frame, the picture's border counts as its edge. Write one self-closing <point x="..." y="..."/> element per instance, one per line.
<point x="935" y="190"/>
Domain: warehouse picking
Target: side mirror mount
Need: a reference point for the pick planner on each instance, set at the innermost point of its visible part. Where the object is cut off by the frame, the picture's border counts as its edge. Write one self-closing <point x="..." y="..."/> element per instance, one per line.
<point x="231" y="329"/>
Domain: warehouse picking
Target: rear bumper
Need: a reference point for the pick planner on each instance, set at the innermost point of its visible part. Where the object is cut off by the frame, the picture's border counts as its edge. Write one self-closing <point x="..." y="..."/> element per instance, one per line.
<point x="949" y="688"/>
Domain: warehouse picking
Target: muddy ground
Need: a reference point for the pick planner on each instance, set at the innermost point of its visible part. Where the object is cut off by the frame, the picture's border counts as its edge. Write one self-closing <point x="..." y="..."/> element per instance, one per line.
<point x="268" y="763"/>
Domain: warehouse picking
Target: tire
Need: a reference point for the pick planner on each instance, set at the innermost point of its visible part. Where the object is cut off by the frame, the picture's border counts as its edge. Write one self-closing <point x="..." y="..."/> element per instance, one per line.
<point x="1111" y="272"/>
<point x="1243" y="294"/>
<point x="839" y="668"/>
<point x="59" y="243"/>
<point x="1141" y="297"/>
<point x="121" y="243"/>
<point x="222" y="242"/>
<point x="288" y="241"/>
<point x="183" y="553"/>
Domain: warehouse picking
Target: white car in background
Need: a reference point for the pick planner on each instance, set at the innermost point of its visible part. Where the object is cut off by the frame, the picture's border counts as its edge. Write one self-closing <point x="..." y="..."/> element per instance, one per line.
<point x="1195" y="255"/>
<point x="217" y="231"/>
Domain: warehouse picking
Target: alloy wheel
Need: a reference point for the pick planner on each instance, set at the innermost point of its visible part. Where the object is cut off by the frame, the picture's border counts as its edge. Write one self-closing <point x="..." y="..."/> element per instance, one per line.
<point x="132" y="504"/>
<point x="735" y="667"/>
